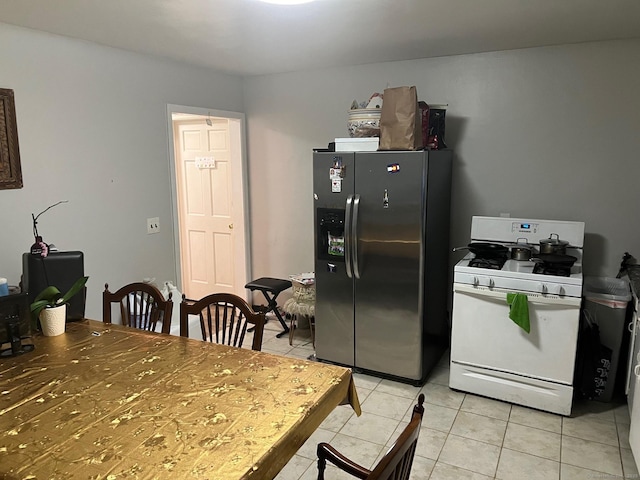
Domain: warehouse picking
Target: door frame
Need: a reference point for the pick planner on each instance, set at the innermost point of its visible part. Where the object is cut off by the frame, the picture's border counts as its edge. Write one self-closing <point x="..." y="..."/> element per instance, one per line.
<point x="206" y="113"/>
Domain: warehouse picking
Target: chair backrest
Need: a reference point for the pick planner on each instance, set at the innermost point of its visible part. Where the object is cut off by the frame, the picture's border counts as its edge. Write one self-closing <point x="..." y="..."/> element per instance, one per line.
<point x="224" y="318"/>
<point x="142" y="306"/>
<point x="396" y="464"/>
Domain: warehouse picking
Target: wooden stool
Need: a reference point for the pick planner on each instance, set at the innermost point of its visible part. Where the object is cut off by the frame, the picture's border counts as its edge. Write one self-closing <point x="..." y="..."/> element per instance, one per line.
<point x="271" y="288"/>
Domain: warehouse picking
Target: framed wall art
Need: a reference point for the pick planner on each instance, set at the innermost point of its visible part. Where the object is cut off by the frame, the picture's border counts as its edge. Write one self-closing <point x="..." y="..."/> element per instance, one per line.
<point x="10" y="170"/>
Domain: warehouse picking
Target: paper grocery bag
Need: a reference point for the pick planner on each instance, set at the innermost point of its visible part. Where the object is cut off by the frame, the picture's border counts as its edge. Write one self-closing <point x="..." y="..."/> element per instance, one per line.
<point x="400" y="124"/>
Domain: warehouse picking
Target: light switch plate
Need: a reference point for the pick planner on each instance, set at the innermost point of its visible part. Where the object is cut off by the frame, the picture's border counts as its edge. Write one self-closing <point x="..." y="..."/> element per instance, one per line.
<point x="153" y="225"/>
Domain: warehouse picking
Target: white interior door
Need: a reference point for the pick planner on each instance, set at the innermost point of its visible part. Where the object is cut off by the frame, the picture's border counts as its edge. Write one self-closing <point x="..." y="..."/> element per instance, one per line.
<point x="210" y="205"/>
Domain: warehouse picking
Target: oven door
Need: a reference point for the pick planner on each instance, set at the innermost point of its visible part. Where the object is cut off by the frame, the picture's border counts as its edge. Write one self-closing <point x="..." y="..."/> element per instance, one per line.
<point x="483" y="335"/>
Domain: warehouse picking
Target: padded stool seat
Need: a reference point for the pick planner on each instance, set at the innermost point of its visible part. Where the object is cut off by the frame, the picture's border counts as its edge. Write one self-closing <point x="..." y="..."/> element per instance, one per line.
<point x="271" y="288"/>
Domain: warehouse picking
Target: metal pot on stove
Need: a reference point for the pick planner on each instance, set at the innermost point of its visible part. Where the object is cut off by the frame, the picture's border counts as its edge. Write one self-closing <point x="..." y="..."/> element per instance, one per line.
<point x="521" y="250"/>
<point x="553" y="246"/>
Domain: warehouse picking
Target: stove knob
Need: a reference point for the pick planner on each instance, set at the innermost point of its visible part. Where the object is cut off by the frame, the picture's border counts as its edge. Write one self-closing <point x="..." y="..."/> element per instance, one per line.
<point x="542" y="288"/>
<point x="476" y="282"/>
<point x="486" y="282"/>
<point x="559" y="290"/>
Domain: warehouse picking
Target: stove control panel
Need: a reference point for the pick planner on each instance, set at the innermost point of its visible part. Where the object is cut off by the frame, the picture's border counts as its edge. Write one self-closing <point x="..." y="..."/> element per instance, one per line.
<point x="483" y="282"/>
<point x="551" y="289"/>
<point x="524" y="227"/>
<point x="512" y="230"/>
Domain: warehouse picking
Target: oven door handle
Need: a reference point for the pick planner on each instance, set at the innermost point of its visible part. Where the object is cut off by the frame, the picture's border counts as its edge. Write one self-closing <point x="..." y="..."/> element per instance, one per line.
<point x="501" y="294"/>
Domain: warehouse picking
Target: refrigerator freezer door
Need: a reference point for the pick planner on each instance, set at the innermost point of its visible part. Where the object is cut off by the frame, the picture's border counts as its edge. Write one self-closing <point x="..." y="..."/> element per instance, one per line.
<point x="388" y="298"/>
<point x="334" y="333"/>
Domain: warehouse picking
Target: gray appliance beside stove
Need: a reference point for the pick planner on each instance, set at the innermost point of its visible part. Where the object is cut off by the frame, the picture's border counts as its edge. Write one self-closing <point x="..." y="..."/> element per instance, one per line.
<point x="381" y="260"/>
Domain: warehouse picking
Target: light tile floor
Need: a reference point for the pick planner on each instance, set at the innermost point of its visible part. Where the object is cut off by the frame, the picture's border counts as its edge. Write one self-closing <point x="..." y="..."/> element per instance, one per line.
<point x="464" y="436"/>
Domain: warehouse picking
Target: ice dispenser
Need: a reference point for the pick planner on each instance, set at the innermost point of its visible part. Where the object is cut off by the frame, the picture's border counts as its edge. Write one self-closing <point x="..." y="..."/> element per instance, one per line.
<point x="330" y="231"/>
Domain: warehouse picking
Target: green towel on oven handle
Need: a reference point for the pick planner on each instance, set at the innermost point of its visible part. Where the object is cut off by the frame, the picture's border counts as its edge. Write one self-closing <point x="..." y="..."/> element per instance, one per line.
<point x="519" y="310"/>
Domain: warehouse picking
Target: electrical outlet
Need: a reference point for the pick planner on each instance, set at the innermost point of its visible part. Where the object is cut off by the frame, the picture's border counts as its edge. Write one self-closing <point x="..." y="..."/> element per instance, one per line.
<point x="153" y="225"/>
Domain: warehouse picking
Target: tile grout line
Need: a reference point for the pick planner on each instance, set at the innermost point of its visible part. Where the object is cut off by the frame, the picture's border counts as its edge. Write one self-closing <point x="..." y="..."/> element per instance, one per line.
<point x="495" y="474"/>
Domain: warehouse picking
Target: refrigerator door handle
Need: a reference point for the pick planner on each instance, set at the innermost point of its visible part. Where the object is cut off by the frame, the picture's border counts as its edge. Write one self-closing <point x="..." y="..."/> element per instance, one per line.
<point x="354" y="236"/>
<point x="347" y="236"/>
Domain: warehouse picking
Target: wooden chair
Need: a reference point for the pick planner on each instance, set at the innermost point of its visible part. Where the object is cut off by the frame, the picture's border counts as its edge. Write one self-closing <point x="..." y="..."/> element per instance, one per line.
<point x="224" y="318"/>
<point x="142" y="306"/>
<point x="395" y="465"/>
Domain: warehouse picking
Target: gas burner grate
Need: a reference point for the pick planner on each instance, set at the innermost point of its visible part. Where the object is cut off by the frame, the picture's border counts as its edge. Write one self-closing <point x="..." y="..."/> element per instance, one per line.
<point x="495" y="263"/>
<point x="548" y="269"/>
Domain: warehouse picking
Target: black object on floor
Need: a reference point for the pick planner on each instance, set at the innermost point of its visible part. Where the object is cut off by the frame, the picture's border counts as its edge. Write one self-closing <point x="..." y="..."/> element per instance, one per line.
<point x="271" y="288"/>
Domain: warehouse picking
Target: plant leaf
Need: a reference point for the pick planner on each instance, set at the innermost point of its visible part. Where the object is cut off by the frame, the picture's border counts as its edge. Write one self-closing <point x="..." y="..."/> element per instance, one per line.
<point x="75" y="288"/>
<point x="50" y="293"/>
<point x="37" y="307"/>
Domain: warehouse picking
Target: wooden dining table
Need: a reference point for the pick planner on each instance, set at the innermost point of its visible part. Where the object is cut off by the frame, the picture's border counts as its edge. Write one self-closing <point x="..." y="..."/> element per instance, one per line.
<point x="104" y="401"/>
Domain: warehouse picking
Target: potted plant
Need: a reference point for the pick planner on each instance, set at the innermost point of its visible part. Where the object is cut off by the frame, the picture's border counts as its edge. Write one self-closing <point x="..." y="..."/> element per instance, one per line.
<point x="50" y="306"/>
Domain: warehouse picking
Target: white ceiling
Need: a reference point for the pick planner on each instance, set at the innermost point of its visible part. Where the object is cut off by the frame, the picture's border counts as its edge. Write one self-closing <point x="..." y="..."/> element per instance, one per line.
<point x="247" y="37"/>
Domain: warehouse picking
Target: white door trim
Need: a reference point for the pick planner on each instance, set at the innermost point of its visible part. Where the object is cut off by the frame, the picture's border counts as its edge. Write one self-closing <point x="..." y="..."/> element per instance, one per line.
<point x="171" y="109"/>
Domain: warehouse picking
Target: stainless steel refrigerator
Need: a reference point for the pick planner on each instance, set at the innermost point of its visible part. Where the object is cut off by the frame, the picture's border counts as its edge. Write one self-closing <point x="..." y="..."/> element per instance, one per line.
<point x="382" y="260"/>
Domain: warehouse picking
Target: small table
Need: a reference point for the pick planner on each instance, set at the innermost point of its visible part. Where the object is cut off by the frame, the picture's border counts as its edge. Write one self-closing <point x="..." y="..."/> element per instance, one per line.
<point x="105" y="400"/>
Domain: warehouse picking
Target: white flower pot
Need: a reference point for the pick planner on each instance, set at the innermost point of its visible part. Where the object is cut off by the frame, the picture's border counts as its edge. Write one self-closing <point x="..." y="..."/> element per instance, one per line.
<point x="52" y="320"/>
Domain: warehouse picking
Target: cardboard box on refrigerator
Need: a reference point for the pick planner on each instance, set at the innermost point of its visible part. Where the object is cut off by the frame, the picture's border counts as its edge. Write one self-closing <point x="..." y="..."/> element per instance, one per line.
<point x="365" y="144"/>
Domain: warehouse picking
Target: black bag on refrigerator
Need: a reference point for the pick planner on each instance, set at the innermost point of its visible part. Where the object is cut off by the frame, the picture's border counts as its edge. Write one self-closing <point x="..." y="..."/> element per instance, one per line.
<point x="435" y="130"/>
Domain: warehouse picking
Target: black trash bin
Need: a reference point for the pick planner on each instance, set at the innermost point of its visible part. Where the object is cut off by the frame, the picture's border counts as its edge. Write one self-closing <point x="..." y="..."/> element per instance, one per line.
<point x="605" y="304"/>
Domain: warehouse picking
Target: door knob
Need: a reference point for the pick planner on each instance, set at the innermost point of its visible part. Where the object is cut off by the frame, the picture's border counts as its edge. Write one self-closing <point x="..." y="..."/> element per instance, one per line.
<point x="231" y="226"/>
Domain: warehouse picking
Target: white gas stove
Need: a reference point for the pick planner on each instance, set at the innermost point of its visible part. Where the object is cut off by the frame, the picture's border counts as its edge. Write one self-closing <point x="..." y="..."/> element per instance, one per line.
<point x="490" y="354"/>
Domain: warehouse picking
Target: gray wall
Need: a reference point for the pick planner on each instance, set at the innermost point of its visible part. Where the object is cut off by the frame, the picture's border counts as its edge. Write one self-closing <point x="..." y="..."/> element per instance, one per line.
<point x="92" y="129"/>
<point x="548" y="133"/>
<point x="544" y="133"/>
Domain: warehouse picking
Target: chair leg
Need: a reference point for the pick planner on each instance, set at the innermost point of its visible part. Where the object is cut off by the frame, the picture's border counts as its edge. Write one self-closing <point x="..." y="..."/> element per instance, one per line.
<point x="291" y="328"/>
<point x="322" y="464"/>
<point x="312" y="327"/>
<point x="273" y="307"/>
